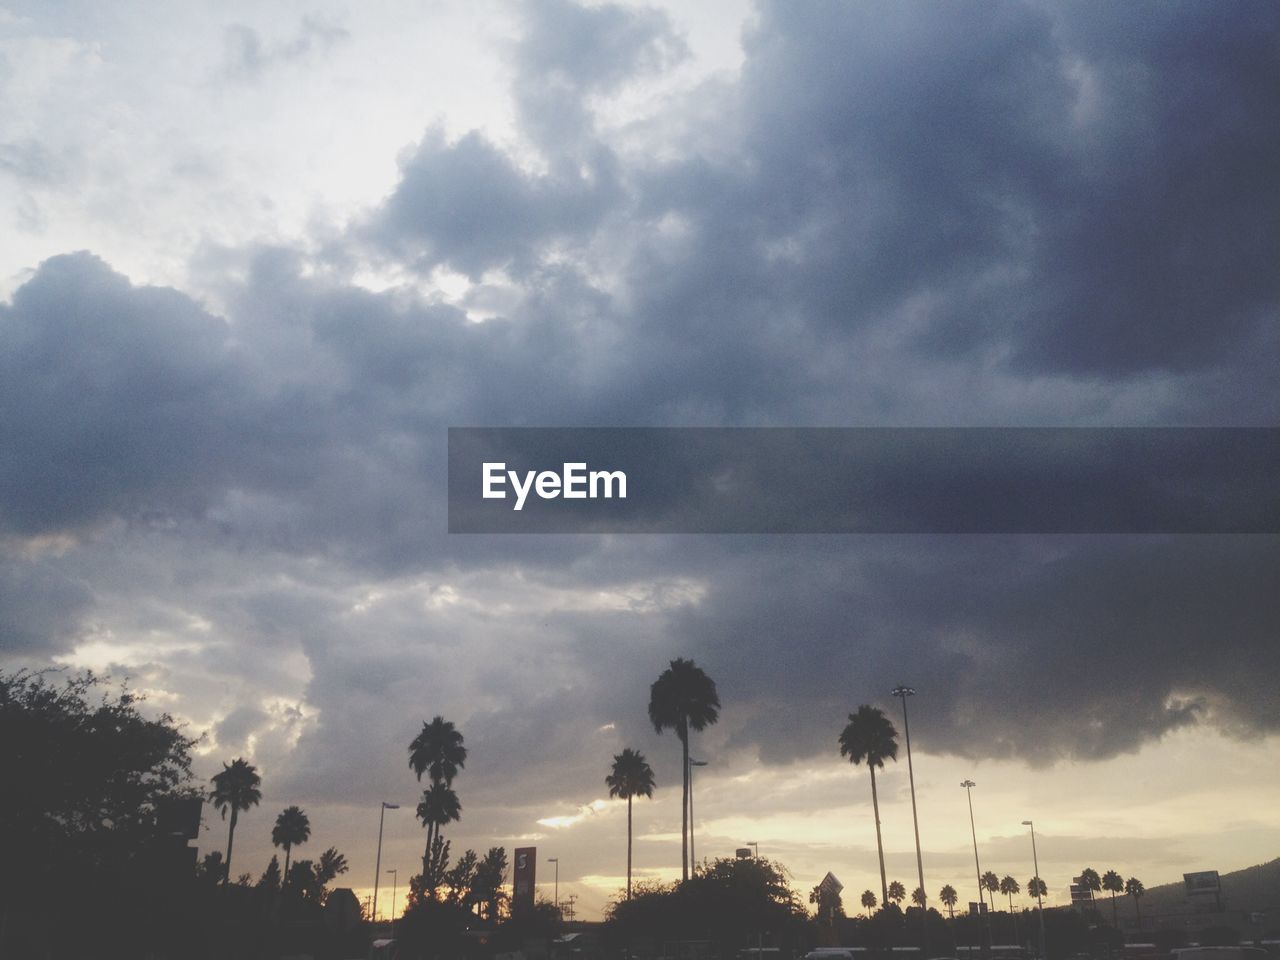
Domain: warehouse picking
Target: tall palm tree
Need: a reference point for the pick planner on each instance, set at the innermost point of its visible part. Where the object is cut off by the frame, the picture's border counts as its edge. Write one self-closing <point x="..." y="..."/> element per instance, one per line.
<point x="631" y="777"/>
<point x="918" y="897"/>
<point x="1009" y="886"/>
<point x="330" y="864"/>
<point x="1134" y="888"/>
<point x="992" y="884"/>
<point x="439" y="805"/>
<point x="1090" y="880"/>
<point x="683" y="698"/>
<point x="438" y="751"/>
<point x="236" y="788"/>
<point x="868" y="901"/>
<point x="870" y="736"/>
<point x="897" y="892"/>
<point x="292" y="829"/>
<point x="949" y="899"/>
<point x="1113" y="883"/>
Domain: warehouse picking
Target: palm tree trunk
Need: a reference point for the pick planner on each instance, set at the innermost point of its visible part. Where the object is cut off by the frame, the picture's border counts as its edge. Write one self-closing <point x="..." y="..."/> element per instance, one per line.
<point x="875" y="806"/>
<point x="231" y="838"/>
<point x="628" y="847"/>
<point x="284" y="882"/>
<point x="684" y="806"/>
<point x="1115" y="918"/>
<point x="1137" y="905"/>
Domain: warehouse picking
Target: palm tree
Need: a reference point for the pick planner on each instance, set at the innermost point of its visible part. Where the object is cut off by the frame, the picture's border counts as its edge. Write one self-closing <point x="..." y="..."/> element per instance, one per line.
<point x="330" y="864"/>
<point x="897" y="892"/>
<point x="870" y="736"/>
<point x="236" y="788"/>
<point x="1134" y="888"/>
<point x="868" y="901"/>
<point x="683" y="698"/>
<point x="949" y="899"/>
<point x="918" y="896"/>
<point x="1090" y="880"/>
<point x="438" y="751"/>
<point x="992" y="883"/>
<point x="1113" y="883"/>
<point x="439" y="805"/>
<point x="631" y="777"/>
<point x="1037" y="888"/>
<point x="292" y="828"/>
<point x="1010" y="886"/>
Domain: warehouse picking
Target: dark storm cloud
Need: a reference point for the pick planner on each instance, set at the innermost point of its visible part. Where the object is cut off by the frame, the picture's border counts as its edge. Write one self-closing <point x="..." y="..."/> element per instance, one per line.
<point x="40" y="607"/>
<point x="897" y="192"/>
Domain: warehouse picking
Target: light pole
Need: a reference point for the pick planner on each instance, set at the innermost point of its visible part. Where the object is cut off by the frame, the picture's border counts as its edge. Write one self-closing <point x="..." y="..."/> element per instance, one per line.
<point x="968" y="789"/>
<point x="556" y="861"/>
<point x="1035" y="859"/>
<point x="693" y="861"/>
<point x="395" y="880"/>
<point x="752" y="843"/>
<point x="377" y="867"/>
<point x="902" y="691"/>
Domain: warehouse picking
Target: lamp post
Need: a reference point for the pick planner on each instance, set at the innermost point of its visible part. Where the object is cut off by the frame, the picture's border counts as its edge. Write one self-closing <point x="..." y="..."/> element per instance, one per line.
<point x="377" y="867"/>
<point x="1035" y="859"/>
<point x="752" y="843"/>
<point x="902" y="691"/>
<point x="693" y="861"/>
<point x="968" y="788"/>
<point x="395" y="880"/>
<point x="556" y="861"/>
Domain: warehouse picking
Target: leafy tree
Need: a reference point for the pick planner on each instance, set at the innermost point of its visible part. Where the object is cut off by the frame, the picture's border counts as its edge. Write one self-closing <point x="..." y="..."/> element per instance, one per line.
<point x="210" y="871"/>
<point x="991" y="883"/>
<point x="270" y="879"/>
<point x="487" y="885"/>
<point x="683" y="698"/>
<point x="439" y="805"/>
<point x="302" y="882"/>
<point x="459" y="880"/>
<point x="897" y="892"/>
<point x="1009" y="886"/>
<point x="292" y="829"/>
<point x="1037" y="888"/>
<point x="870" y="736"/>
<point x="631" y="777"/>
<point x="1134" y="888"/>
<point x="949" y="899"/>
<point x="829" y="903"/>
<point x="918" y="896"/>
<point x="438" y="751"/>
<point x="868" y="901"/>
<point x="1113" y="883"/>
<point x="1090" y="880"/>
<point x="330" y="864"/>
<point x="236" y="788"/>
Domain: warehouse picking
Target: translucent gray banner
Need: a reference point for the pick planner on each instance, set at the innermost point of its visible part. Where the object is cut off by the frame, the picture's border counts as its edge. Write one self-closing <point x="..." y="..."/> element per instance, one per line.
<point x="864" y="480"/>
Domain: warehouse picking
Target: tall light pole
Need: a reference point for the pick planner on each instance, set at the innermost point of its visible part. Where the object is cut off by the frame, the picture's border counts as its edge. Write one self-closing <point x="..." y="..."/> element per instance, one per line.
<point x="1035" y="859"/>
<point x="693" y="861"/>
<point x="377" y="867"/>
<point x="556" y="861"/>
<point x="982" y="927"/>
<point x="902" y="691"/>
<point x="395" y="880"/>
<point x="752" y="843"/>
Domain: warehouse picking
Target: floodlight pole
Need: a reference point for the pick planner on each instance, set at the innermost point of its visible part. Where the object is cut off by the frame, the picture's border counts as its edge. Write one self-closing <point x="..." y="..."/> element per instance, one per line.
<point x="377" y="868"/>
<point x="1035" y="859"/>
<point x="902" y="691"/>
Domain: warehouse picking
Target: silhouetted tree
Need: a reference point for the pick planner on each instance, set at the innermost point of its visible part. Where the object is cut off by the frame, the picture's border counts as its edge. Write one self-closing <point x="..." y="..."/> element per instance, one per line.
<point x="1009" y="886"/>
<point x="870" y="736"/>
<point x="330" y="864"/>
<point x="1090" y="880"/>
<point x="270" y="879"/>
<point x="949" y="898"/>
<point x="631" y="777"/>
<point x="236" y="788"/>
<point x="1037" y="888"/>
<point x="1134" y="888"/>
<point x="1113" y="883"/>
<point x="459" y="879"/>
<point x="438" y="751"/>
<point x="487" y="885"/>
<point x="830" y="905"/>
<point x="292" y="829"/>
<point x="991" y="883"/>
<point x="868" y="901"/>
<point x="683" y="698"/>
<point x="897" y="892"/>
<point x="918" y="897"/>
<point x="211" y="871"/>
<point x="439" y="805"/>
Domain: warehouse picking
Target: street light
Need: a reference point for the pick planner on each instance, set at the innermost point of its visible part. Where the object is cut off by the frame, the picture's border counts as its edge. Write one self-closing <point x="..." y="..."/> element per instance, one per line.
<point x="752" y="843"/>
<point x="395" y="879"/>
<point x="902" y="691"/>
<point x="377" y="867"/>
<point x="556" y="861"/>
<point x="982" y="929"/>
<point x="1035" y="859"/>
<point x="693" y="860"/>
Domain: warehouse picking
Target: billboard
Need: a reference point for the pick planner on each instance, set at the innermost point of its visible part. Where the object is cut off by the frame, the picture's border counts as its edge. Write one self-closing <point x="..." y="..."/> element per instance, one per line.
<point x="524" y="878"/>
<point x="1204" y="883"/>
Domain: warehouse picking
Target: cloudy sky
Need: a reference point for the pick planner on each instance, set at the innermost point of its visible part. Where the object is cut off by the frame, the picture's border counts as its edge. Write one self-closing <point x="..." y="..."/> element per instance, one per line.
<point x="256" y="259"/>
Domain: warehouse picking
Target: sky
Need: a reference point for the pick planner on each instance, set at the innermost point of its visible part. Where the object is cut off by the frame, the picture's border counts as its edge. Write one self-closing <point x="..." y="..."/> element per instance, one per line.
<point x="256" y="259"/>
